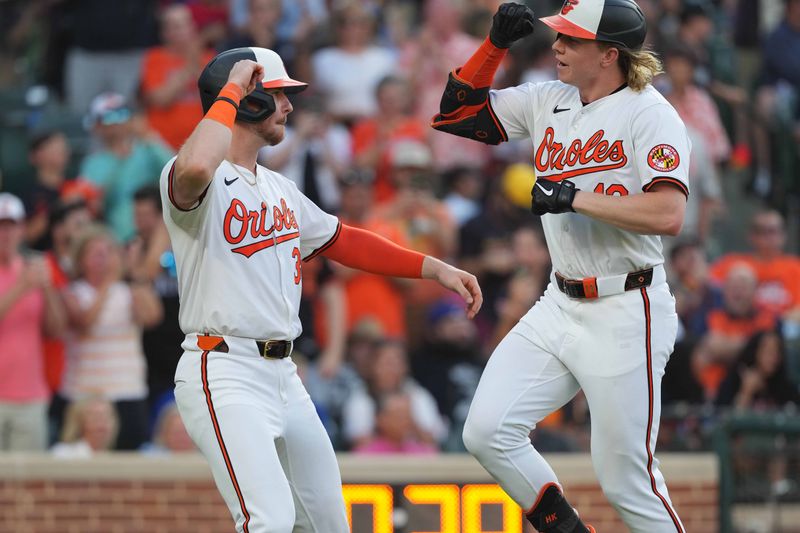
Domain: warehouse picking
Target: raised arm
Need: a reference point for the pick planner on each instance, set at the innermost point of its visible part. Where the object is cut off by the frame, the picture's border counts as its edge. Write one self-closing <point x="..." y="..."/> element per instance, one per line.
<point x="208" y="144"/>
<point x="465" y="109"/>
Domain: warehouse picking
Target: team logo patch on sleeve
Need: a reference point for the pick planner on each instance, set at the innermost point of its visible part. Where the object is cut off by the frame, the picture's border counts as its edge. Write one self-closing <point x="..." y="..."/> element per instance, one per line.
<point x="663" y="158"/>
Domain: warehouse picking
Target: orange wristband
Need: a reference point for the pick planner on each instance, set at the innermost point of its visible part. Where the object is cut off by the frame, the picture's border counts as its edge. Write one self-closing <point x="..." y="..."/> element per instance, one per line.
<point x="226" y="105"/>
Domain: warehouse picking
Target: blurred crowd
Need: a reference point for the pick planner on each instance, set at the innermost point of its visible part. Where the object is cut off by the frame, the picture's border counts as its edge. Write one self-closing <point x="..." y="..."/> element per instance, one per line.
<point x="98" y="95"/>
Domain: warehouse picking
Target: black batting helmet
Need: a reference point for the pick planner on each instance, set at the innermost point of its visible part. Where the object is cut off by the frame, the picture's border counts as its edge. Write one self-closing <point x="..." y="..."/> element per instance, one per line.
<point x="619" y="22"/>
<point x="215" y="75"/>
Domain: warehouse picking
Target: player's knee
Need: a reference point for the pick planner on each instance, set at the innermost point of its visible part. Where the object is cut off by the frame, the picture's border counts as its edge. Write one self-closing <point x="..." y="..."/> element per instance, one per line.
<point x="487" y="437"/>
<point x="477" y="435"/>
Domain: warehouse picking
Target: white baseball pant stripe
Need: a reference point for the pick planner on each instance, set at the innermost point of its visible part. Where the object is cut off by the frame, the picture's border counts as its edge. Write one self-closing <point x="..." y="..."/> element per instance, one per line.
<point x="651" y="436"/>
<point x="615" y="348"/>
<point x="270" y="456"/>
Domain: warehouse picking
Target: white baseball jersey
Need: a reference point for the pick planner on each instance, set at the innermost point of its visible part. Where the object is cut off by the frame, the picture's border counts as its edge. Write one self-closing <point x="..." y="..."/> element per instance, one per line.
<point x="621" y="144"/>
<point x="244" y="224"/>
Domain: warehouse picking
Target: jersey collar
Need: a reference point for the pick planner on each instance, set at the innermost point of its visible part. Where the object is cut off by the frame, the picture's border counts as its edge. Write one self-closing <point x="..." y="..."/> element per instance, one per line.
<point x="615" y="91"/>
<point x="248" y="175"/>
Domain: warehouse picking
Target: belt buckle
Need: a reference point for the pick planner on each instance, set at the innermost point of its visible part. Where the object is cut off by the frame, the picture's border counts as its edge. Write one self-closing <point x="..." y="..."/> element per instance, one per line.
<point x="268" y="345"/>
<point x="267" y="348"/>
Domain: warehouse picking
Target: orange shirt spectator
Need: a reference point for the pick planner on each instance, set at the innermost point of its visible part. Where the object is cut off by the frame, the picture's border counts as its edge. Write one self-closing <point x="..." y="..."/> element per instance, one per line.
<point x="730" y="326"/>
<point x="743" y="327"/>
<point x="373" y="133"/>
<point x="53" y="347"/>
<point x="368" y="296"/>
<point x="778" y="279"/>
<point x="374" y="137"/>
<point x="377" y="297"/>
<point x="169" y="77"/>
<point x="777" y="273"/>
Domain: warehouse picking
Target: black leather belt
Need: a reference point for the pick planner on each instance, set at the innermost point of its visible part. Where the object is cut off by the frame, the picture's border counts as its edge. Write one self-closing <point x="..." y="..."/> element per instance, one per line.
<point x="587" y="287"/>
<point x="266" y="349"/>
<point x="274" y="349"/>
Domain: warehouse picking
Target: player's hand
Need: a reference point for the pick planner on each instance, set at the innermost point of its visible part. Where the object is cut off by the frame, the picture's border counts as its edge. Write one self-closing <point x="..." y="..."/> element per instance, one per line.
<point x="552" y="196"/>
<point x="246" y="74"/>
<point x="511" y="22"/>
<point x="456" y="280"/>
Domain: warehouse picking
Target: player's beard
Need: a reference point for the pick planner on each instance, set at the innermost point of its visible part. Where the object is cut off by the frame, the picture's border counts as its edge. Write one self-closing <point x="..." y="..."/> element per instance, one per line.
<point x="274" y="135"/>
<point x="270" y="132"/>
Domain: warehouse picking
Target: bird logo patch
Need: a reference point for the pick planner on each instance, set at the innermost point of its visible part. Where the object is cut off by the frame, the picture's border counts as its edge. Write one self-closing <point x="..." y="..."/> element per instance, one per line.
<point x="663" y="158"/>
<point x="569" y="5"/>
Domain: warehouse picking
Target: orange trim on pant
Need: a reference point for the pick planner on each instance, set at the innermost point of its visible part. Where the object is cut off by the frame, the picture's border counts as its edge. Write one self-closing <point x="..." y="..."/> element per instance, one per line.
<point x="672" y="514"/>
<point x="223" y="449"/>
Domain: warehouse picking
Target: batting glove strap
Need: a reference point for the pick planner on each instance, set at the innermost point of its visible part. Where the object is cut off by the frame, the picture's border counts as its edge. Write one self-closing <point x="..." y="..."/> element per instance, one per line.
<point x="510" y="23"/>
<point x="552" y="196"/>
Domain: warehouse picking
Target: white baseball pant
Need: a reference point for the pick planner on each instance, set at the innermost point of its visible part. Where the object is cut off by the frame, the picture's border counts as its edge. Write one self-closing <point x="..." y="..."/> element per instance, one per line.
<point x="270" y="456"/>
<point x="615" y="348"/>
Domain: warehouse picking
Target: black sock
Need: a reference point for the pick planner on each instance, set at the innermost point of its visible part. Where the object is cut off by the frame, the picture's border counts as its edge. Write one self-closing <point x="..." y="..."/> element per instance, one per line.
<point x="555" y="515"/>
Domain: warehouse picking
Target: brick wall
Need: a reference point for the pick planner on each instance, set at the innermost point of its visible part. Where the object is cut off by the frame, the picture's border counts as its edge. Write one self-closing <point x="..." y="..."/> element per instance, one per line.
<point x="52" y="506"/>
<point x="696" y="504"/>
<point x="128" y="493"/>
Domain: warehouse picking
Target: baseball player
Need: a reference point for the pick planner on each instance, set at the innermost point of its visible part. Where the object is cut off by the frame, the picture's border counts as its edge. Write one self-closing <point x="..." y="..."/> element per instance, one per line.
<point x="611" y="157"/>
<point x="240" y="233"/>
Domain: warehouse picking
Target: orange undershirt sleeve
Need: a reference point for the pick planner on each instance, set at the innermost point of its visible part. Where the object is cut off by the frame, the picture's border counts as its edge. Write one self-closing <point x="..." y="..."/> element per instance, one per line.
<point x="367" y="251"/>
<point x="479" y="69"/>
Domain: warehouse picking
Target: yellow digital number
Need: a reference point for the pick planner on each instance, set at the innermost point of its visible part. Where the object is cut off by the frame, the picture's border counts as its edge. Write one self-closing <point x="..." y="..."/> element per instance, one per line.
<point x="379" y="497"/>
<point x="474" y="496"/>
<point x="446" y="497"/>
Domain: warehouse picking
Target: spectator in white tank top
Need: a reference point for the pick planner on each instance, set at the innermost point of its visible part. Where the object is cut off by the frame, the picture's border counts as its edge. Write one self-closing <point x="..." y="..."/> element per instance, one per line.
<point x="104" y="349"/>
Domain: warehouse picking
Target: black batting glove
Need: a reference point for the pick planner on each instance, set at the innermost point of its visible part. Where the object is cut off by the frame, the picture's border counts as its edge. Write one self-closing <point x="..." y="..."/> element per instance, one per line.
<point x="552" y="196"/>
<point x="510" y="23"/>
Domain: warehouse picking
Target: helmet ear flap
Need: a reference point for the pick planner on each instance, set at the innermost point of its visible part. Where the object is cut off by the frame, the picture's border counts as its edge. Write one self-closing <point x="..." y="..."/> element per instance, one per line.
<point x="256" y="106"/>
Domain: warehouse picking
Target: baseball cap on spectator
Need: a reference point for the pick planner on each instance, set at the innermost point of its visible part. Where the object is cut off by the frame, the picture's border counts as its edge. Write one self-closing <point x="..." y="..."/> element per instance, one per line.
<point x="84" y="190"/>
<point x="411" y="154"/>
<point x="11" y="208"/>
<point x="108" y="109"/>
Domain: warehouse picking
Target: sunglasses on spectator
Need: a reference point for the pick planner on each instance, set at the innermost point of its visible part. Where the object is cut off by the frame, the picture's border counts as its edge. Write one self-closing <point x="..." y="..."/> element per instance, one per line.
<point x="115" y="116"/>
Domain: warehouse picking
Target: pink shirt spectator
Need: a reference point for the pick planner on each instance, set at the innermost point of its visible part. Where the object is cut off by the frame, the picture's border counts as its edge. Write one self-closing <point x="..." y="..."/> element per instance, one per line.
<point x="22" y="377"/>
<point x="384" y="446"/>
<point x="698" y="111"/>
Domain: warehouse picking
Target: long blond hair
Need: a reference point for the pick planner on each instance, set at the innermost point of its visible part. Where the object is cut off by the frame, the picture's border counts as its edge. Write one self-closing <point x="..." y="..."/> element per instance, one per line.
<point x="638" y="66"/>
